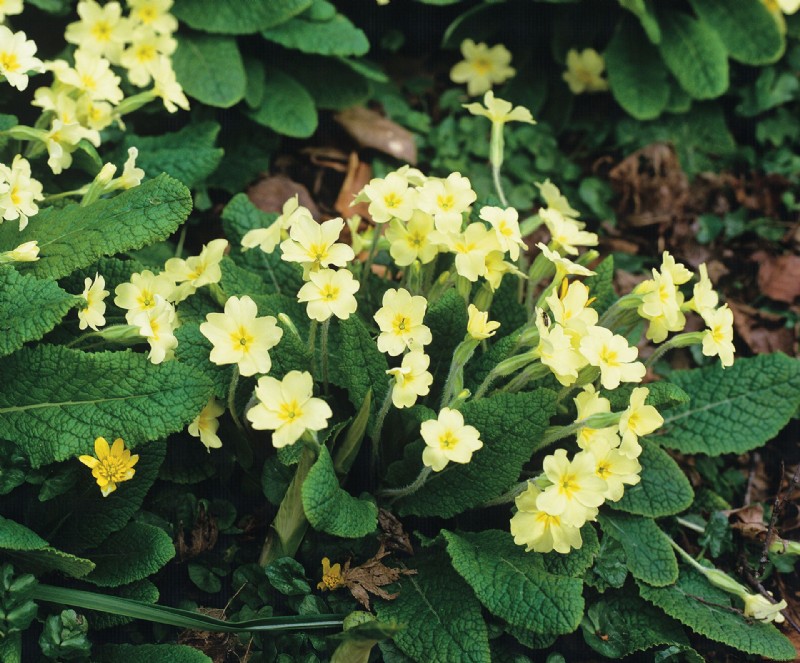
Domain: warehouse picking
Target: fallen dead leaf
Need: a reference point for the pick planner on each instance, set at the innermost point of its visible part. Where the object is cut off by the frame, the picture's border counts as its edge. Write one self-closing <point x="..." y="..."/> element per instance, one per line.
<point x="749" y="520"/>
<point x="358" y="175"/>
<point x="779" y="276"/>
<point x="763" y="332"/>
<point x="394" y="537"/>
<point x="203" y="536"/>
<point x="371" y="129"/>
<point x="269" y="194"/>
<point x="371" y="576"/>
<point x="219" y="647"/>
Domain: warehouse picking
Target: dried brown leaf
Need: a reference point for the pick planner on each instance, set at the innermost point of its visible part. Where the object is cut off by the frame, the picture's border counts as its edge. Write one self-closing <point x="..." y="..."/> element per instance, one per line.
<point x="764" y="333"/>
<point x="203" y="536"/>
<point x="358" y="175"/>
<point x="270" y="193"/>
<point x="779" y="277"/>
<point x="371" y="129"/>
<point x="371" y="576"/>
<point x="394" y="537"/>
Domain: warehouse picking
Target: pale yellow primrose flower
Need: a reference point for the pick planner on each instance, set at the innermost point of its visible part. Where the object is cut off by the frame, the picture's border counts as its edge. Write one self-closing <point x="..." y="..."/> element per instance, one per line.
<point x="16" y="58"/>
<point x="636" y="421"/>
<point x="93" y="76"/>
<point x="566" y="233"/>
<point x="556" y="351"/>
<point x="576" y="490"/>
<point x="314" y="245"/>
<point x="505" y="223"/>
<point x="679" y="272"/>
<point x="267" y="239"/>
<point x="704" y="297"/>
<point x="17" y="202"/>
<point x="479" y="327"/>
<point x="241" y="338"/>
<point x="613" y="467"/>
<point x="471" y="249"/>
<point x="101" y="31"/>
<point x="613" y="356"/>
<point x="139" y="295"/>
<point x="10" y="8"/>
<point x="154" y="14"/>
<point x="389" y="198"/>
<point x="360" y="241"/>
<point x="329" y="292"/>
<point x="400" y="321"/>
<point x="196" y="271"/>
<point x="448" y="439"/>
<point x="131" y="175"/>
<point x="206" y="424"/>
<point x="166" y="86"/>
<point x="788" y="7"/>
<point x="761" y="608"/>
<point x="537" y="530"/>
<point x="661" y="305"/>
<point x="446" y="200"/>
<point x="111" y="466"/>
<point x="566" y="266"/>
<point x="718" y="338"/>
<point x="26" y="252"/>
<point x="287" y="407"/>
<point x="570" y="308"/>
<point x="587" y="403"/>
<point x="413" y="240"/>
<point x="411" y="379"/>
<point x="482" y="67"/>
<point x="158" y="325"/>
<point x="93" y="314"/>
<point x="585" y="71"/>
<point x="555" y="200"/>
<point x="141" y="55"/>
<point x="94" y="115"/>
<point x="500" y="111"/>
<point x="496" y="268"/>
<point x="61" y="141"/>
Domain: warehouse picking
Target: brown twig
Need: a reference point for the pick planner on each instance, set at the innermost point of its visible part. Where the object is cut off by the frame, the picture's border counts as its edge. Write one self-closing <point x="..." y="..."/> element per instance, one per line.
<point x="780" y="501"/>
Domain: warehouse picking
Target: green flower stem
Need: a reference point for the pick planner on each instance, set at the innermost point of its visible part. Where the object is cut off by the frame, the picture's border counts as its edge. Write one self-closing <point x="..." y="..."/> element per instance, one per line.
<point x="134" y="102"/>
<point x="217" y="294"/>
<point x="509" y="496"/>
<point x="289" y="526"/>
<point x="65" y="194"/>
<point x="232" y="399"/>
<point x="455" y="376"/>
<point x="186" y="619"/>
<point x="496" y="157"/>
<point x="396" y="493"/>
<point x="506" y="367"/>
<point x="377" y="429"/>
<point x="594" y="421"/>
<point x="125" y="334"/>
<point x="550" y="289"/>
<point x="617" y="310"/>
<point x="483" y="298"/>
<point x="373" y="251"/>
<point x="323" y="350"/>
<point x="688" y="524"/>
<point x="445" y="281"/>
<point x="532" y="372"/>
<point x="679" y="341"/>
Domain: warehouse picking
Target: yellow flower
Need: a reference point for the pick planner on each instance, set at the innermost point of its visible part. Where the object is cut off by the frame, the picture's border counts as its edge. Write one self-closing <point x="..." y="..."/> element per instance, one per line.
<point x="566" y="233"/>
<point x="496" y="268"/>
<point x="615" y="468"/>
<point x="575" y="491"/>
<point x="206" y="423"/>
<point x="761" y="608"/>
<point x="718" y="338"/>
<point x="241" y="338"/>
<point x="613" y="356"/>
<point x="482" y="67"/>
<point x="412" y="241"/>
<point x="471" y="249"/>
<point x="411" y="379"/>
<point x="446" y="200"/>
<point x="61" y="141"/>
<point x="142" y="54"/>
<point x="268" y="238"/>
<point x="93" y="314"/>
<point x="704" y="297"/>
<point x="389" y="198"/>
<point x="555" y="200"/>
<point x="288" y="408"/>
<point x="139" y="295"/>
<point x="154" y="14"/>
<point x="400" y="321"/>
<point x="447" y="439"/>
<point x="10" y="8"/>
<point x="680" y="274"/>
<point x="587" y="403"/>
<point x="505" y="223"/>
<point x="329" y="292"/>
<point x="500" y="111"/>
<point x="131" y="175"/>
<point x="93" y="76"/>
<point x="570" y="308"/>
<point x="112" y="465"/>
<point x="314" y="245"/>
<point x="16" y="58"/>
<point x="331" y="576"/>
<point x="196" y="271"/>
<point x="479" y="327"/>
<point x="26" y="252"/>
<point x="584" y="71"/>
<point x="101" y="30"/>
<point x="539" y="531"/>
<point x="17" y="202"/>
<point x="564" y="265"/>
<point x="158" y="325"/>
<point x="556" y="351"/>
<point x="166" y="86"/>
<point x="636" y="421"/>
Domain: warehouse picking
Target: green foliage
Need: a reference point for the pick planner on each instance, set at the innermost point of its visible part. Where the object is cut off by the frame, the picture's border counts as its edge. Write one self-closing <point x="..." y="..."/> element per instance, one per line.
<point x="648" y="551"/>
<point x="440" y="616"/>
<point x="150" y="654"/>
<point x="512" y="584"/>
<point x="707" y="610"/>
<point x="234" y="18"/>
<point x="29" y="308"/>
<point x="331" y="509"/>
<point x="133" y="553"/>
<point x="736" y="409"/>
<point x="64" y="636"/>
<point x="282" y="91"/>
<point x="601" y="285"/>
<point x="193" y="350"/>
<point x="17" y="609"/>
<point x="210" y="69"/>
<point x="63" y="399"/>
<point x="288" y="577"/>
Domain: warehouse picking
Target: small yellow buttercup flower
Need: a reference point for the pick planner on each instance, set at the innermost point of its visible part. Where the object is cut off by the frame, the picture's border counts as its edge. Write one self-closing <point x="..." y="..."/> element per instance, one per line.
<point x="93" y="314"/>
<point x="110" y="465"/>
<point x="479" y="327"/>
<point x="206" y="423"/>
<point x="585" y="71"/>
<point x="331" y="576"/>
<point x="329" y="292"/>
<point x="412" y="379"/>
<point x="482" y="67"/>
<point x="539" y="531"/>
<point x="500" y="111"/>
<point x="448" y="438"/>
<point x="400" y="321"/>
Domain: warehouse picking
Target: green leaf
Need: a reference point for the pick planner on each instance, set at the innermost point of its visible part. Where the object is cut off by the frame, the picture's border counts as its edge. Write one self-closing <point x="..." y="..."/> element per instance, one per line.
<point x="447" y="320"/>
<point x="333" y="35"/>
<point x="29" y="308"/>
<point x="67" y="520"/>
<point x="510" y="426"/>
<point x="618" y="626"/>
<point x="193" y="351"/>
<point x="204" y="578"/>
<point x="288" y="576"/>
<point x="233" y="17"/>
<point x="144" y="590"/>
<point x="662" y="395"/>
<point x="210" y="69"/>
<point x="331" y="509"/>
<point x="636" y="74"/>
<point x="506" y="307"/>
<point x="736" y="409"/>
<point x="281" y="92"/>
<point x="645" y="12"/>
<point x="694" y="53"/>
<point x="577" y="561"/>
<point x="30" y="552"/>
<point x="133" y="553"/>
<point x="746" y="27"/>
<point x="73" y="237"/>
<point x="648" y="550"/>
<point x="11" y="644"/>
<point x="707" y="610"/>
<point x="512" y="584"/>
<point x="149" y="654"/>
<point x="188" y="155"/>
<point x="441" y="617"/>
<point x="663" y="490"/>
<point x="601" y="285"/>
<point x="315" y="74"/>
<point x="61" y="400"/>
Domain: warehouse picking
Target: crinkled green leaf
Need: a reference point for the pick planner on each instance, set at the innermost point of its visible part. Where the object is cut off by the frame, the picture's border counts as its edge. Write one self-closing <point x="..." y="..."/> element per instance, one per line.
<point x="73" y="237"/>
<point x="647" y="549"/>
<point x="510" y="427"/>
<point x="288" y="576"/>
<point x="618" y="626"/>
<point x="234" y="17"/>
<point x="189" y="154"/>
<point x="601" y="285"/>
<point x="636" y="73"/>
<point x="506" y="307"/>
<point x="133" y="553"/>
<point x="210" y="69"/>
<point x="663" y="490"/>
<point x="60" y="400"/>
<point x="149" y="654"/>
<point x="746" y="27"/>
<point x="11" y="648"/>
<point x="331" y="509"/>
<point x="67" y="521"/>
<point x="30" y="552"/>
<point x="311" y="32"/>
<point x="694" y="53"/>
<point x="512" y="584"/>
<point x="707" y="610"/>
<point x="661" y="395"/>
<point x="440" y="616"/>
<point x="29" y="308"/>
<point x="193" y="351"/>
<point x="577" y="561"/>
<point x="447" y="320"/>
<point x="733" y="410"/>
<point x="281" y="92"/>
